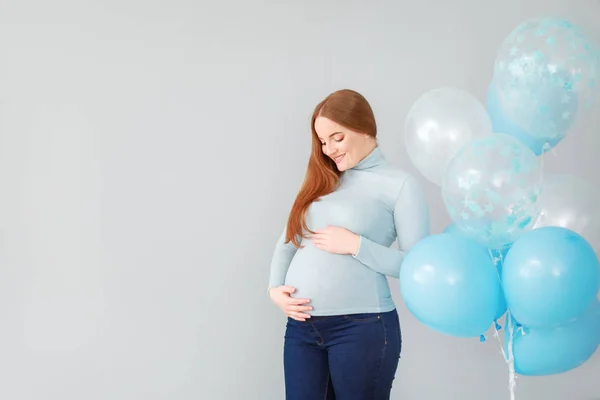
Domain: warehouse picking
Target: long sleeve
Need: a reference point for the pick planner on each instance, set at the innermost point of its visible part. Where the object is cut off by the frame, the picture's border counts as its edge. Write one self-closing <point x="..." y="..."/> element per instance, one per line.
<point x="412" y="223"/>
<point x="282" y="257"/>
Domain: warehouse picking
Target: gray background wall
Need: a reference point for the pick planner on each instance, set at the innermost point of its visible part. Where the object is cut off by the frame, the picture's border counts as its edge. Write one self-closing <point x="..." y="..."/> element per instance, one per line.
<point x="149" y="154"/>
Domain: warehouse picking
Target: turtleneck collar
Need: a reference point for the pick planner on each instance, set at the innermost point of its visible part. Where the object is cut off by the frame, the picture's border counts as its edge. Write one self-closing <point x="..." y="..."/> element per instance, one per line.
<point x="373" y="159"/>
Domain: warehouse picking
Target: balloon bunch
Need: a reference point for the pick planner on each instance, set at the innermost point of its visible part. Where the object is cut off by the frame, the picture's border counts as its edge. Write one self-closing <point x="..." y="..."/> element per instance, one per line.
<point x="522" y="245"/>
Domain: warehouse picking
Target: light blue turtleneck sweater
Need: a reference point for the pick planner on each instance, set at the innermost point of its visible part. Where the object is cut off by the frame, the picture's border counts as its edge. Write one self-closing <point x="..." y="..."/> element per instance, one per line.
<point x="378" y="202"/>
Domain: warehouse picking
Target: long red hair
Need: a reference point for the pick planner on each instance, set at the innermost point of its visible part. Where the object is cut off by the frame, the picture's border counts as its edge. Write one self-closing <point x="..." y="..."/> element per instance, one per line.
<point x="349" y="109"/>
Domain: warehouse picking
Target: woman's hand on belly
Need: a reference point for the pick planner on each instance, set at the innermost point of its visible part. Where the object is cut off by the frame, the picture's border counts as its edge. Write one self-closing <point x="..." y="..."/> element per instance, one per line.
<point x="334" y="239"/>
<point x="291" y="306"/>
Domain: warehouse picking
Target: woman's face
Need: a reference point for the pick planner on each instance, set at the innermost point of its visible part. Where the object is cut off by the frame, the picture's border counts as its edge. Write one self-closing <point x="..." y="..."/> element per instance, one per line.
<point x="344" y="146"/>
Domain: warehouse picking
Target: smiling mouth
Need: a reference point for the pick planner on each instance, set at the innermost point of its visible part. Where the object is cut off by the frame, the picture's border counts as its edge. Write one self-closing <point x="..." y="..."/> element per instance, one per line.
<point x="338" y="158"/>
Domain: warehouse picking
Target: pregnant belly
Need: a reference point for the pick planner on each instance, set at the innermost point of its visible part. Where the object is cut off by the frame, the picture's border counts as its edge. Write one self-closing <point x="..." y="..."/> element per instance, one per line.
<point x="333" y="281"/>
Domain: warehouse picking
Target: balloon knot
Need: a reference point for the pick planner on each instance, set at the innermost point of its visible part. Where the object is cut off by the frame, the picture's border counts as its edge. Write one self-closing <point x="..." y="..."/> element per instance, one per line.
<point x="546" y="146"/>
<point x="498" y="326"/>
<point x="482" y="338"/>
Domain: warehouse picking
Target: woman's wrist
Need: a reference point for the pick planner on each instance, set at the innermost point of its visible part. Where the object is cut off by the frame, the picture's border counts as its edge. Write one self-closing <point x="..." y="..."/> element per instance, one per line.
<point x="355" y="245"/>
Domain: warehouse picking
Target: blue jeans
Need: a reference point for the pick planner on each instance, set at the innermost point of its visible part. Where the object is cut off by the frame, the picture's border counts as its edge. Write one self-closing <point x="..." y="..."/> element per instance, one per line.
<point x="343" y="357"/>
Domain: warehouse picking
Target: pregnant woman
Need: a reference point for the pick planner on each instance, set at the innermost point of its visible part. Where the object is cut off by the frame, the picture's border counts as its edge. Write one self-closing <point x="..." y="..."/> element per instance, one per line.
<point x="328" y="272"/>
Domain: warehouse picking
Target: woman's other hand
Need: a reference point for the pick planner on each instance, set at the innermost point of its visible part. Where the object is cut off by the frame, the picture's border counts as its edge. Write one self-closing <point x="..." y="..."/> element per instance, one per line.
<point x="291" y="306"/>
<point x="336" y="240"/>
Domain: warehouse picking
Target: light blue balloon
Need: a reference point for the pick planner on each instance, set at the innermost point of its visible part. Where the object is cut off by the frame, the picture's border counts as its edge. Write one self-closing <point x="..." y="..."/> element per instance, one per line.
<point x="497" y="257"/>
<point x="550" y="277"/>
<point x="542" y="352"/>
<point x="449" y="283"/>
<point x="502" y="123"/>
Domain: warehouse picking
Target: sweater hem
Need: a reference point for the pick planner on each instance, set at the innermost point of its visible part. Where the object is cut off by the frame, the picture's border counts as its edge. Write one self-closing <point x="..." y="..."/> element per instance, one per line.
<point x="350" y="311"/>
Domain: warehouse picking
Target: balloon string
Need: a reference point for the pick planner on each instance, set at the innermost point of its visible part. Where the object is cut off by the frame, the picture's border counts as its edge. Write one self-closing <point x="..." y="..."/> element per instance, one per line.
<point x="496" y="261"/>
<point x="512" y="379"/>
<point x="497" y="336"/>
<point x="508" y="354"/>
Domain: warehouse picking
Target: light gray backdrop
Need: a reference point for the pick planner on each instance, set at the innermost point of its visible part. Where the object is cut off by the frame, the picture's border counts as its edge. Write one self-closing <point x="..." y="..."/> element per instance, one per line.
<point x="149" y="154"/>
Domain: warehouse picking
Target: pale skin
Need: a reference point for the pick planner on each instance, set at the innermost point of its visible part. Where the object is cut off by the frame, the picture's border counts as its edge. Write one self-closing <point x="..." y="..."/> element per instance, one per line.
<point x="346" y="148"/>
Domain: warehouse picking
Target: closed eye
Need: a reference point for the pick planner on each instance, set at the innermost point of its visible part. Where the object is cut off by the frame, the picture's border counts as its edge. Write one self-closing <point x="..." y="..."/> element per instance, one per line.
<point x="336" y="139"/>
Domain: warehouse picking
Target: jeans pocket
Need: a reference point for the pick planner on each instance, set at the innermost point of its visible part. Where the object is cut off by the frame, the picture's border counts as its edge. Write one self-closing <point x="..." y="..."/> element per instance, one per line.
<point x="364" y="317"/>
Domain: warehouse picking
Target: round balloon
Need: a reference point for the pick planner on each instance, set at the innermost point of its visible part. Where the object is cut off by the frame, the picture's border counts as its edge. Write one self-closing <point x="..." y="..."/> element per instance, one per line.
<point x="573" y="203"/>
<point x="491" y="188"/>
<point x="450" y="284"/>
<point x="550" y="276"/>
<point x="542" y="69"/>
<point x="543" y="352"/>
<point x="438" y="124"/>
